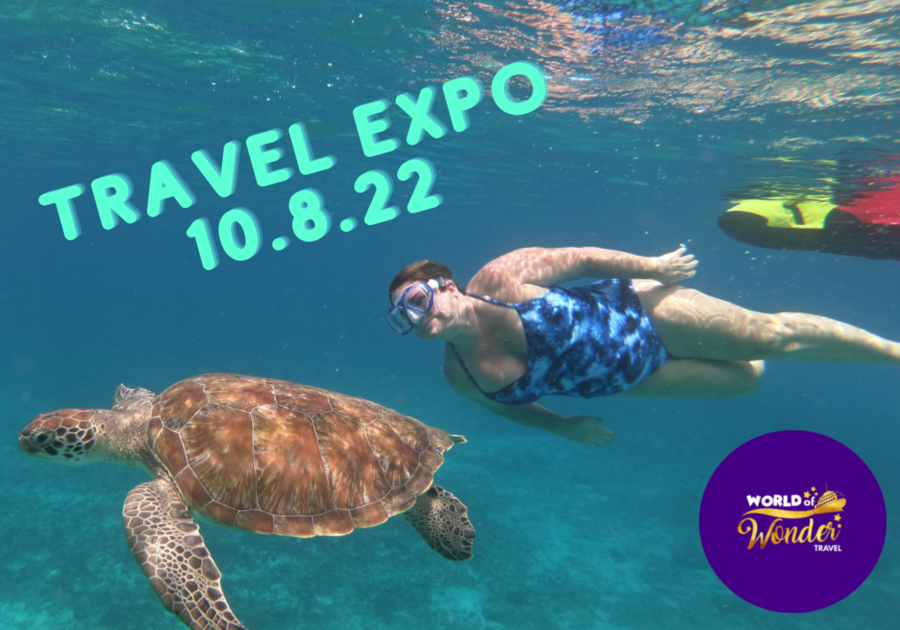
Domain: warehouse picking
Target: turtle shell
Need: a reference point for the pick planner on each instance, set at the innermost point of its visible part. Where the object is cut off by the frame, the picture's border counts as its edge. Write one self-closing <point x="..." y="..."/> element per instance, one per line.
<point x="275" y="457"/>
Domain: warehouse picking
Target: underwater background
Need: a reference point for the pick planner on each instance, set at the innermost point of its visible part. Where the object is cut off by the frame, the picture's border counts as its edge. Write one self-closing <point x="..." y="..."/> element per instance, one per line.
<point x="659" y="115"/>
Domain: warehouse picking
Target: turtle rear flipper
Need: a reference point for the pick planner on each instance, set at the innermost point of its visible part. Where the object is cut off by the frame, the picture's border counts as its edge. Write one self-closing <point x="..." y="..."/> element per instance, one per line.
<point x="132" y="398"/>
<point x="167" y="543"/>
<point x="441" y="520"/>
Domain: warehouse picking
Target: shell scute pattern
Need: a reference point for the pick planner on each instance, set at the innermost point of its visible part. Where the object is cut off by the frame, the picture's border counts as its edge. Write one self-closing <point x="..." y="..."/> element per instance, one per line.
<point x="243" y="395"/>
<point x="431" y="459"/>
<point x="409" y="429"/>
<point x="302" y="399"/>
<point x="222" y="513"/>
<point x="155" y="426"/>
<point x="255" y="521"/>
<point x="218" y="442"/>
<point x="178" y="404"/>
<point x="276" y="457"/>
<point x="360" y="411"/>
<point x="354" y="473"/>
<point x="290" y="474"/>
<point x="299" y="526"/>
<point x="421" y="479"/>
<point x="399" y="500"/>
<point x="397" y="458"/>
<point x="370" y="514"/>
<point x="193" y="490"/>
<point x="169" y="446"/>
<point x="336" y="522"/>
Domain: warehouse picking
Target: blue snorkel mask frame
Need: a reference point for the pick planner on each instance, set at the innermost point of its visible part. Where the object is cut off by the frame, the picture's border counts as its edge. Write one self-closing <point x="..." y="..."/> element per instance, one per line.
<point x="410" y="308"/>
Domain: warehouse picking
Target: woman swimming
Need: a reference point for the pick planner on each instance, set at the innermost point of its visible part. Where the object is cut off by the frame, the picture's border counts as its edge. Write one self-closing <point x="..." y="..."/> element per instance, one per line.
<point x="514" y="335"/>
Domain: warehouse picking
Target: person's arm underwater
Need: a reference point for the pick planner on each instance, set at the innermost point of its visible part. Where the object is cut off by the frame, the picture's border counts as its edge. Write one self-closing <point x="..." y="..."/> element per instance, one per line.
<point x="581" y="428"/>
<point x="584" y="429"/>
<point x="550" y="267"/>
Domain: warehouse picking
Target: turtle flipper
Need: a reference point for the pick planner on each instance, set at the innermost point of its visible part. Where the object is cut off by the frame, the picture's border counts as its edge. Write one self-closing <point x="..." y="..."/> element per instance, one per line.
<point x="167" y="543"/>
<point x="131" y="398"/>
<point x="441" y="520"/>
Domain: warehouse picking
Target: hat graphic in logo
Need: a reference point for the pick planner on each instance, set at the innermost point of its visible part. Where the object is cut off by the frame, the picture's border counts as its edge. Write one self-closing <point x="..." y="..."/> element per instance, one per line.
<point x="778" y="540"/>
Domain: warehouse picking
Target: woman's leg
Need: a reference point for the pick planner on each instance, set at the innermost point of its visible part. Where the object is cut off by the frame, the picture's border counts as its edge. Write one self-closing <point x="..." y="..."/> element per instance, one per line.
<point x="695" y="325"/>
<point x="699" y="378"/>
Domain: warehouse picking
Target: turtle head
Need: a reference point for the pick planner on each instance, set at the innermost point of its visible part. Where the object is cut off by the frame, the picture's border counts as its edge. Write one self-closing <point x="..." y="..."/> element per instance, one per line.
<point x="67" y="436"/>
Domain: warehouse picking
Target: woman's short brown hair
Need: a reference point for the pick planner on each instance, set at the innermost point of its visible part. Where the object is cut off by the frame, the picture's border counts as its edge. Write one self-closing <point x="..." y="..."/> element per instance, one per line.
<point x="421" y="271"/>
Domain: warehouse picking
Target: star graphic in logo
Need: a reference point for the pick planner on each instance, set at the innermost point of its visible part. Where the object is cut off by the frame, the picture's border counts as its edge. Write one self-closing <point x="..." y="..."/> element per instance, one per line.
<point x="813" y="488"/>
<point x="806" y="495"/>
<point x="837" y="517"/>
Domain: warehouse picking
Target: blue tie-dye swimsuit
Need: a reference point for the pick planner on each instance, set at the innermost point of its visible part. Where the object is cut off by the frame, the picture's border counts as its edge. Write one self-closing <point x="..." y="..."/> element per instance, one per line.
<point x="593" y="340"/>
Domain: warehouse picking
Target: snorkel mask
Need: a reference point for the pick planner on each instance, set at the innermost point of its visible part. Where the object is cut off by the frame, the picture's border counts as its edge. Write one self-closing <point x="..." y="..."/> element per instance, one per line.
<point x="413" y="305"/>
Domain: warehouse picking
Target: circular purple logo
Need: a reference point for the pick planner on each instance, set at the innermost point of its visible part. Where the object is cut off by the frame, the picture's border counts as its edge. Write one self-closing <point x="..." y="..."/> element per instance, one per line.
<point x="792" y="521"/>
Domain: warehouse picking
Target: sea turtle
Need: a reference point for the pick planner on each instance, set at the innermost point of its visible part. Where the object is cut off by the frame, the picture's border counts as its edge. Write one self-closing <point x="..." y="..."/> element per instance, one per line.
<point x="260" y="455"/>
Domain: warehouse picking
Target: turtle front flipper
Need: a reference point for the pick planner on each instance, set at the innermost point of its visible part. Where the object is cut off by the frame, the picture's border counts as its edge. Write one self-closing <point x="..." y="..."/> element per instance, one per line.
<point x="167" y="543"/>
<point x="441" y="520"/>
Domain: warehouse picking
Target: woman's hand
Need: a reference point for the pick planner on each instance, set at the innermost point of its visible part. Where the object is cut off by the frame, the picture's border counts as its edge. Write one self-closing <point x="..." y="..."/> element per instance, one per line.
<point x="587" y="430"/>
<point x="675" y="267"/>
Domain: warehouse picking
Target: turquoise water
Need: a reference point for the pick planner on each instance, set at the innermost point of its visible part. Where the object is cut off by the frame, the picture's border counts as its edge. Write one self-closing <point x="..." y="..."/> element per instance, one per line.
<point x="652" y="126"/>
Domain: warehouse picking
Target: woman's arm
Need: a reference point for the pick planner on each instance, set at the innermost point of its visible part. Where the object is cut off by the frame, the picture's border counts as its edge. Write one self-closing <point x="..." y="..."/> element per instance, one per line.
<point x="584" y="429"/>
<point x="549" y="267"/>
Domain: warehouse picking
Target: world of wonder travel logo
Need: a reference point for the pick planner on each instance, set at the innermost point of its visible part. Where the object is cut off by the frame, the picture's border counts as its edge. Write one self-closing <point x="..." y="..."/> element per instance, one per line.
<point x="792" y="521"/>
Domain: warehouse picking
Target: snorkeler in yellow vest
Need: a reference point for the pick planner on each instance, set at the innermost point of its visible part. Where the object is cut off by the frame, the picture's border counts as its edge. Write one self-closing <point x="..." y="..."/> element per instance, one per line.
<point x="868" y="226"/>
